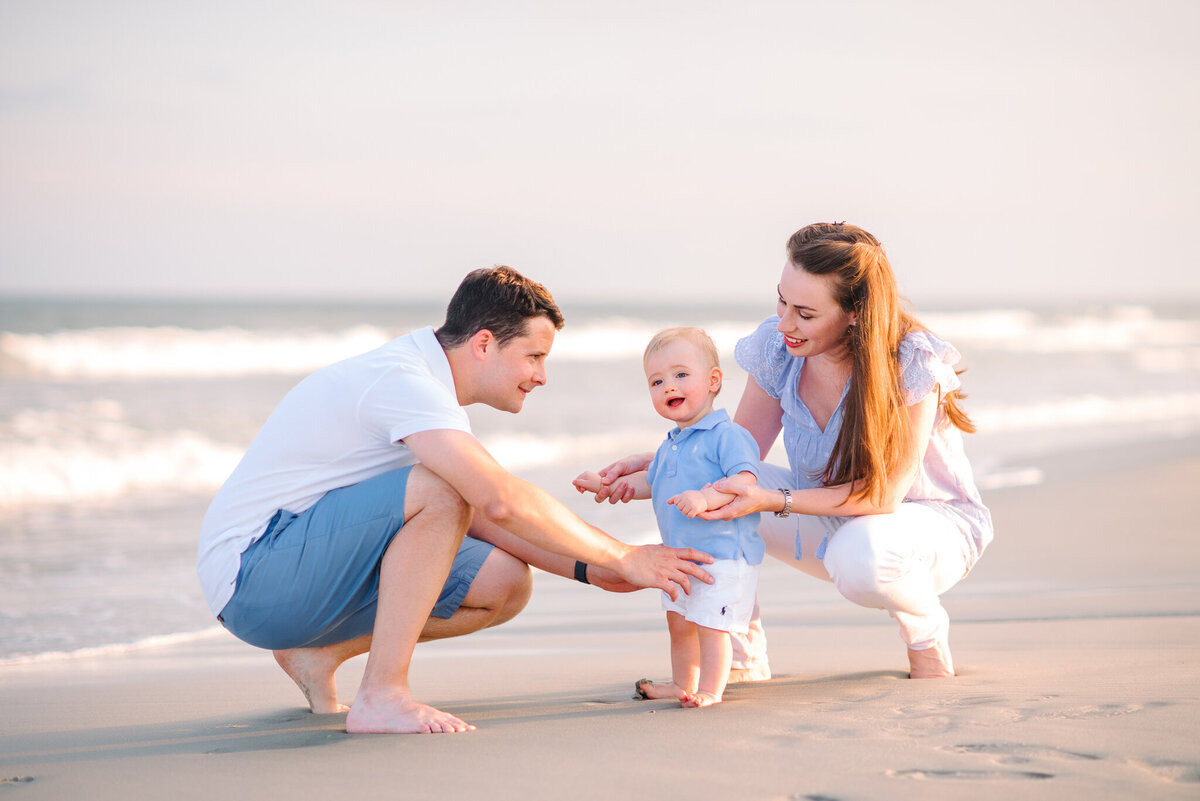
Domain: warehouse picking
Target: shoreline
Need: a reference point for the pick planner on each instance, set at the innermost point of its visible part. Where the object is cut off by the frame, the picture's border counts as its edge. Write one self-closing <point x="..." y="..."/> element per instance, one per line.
<point x="1076" y="639"/>
<point x="1004" y="477"/>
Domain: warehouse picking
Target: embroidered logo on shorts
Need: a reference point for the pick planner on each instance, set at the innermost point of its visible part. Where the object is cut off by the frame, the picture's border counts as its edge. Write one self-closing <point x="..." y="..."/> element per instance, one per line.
<point x="723" y="608"/>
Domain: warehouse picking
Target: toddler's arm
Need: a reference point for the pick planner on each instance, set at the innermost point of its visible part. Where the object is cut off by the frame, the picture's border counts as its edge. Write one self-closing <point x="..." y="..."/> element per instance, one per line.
<point x="705" y="499"/>
<point x="587" y="481"/>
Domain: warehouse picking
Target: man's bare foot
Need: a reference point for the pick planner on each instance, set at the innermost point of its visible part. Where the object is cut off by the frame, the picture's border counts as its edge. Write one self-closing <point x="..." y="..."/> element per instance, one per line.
<point x="651" y="691"/>
<point x="313" y="671"/>
<point x="696" y="700"/>
<point x="931" y="663"/>
<point x="398" y="713"/>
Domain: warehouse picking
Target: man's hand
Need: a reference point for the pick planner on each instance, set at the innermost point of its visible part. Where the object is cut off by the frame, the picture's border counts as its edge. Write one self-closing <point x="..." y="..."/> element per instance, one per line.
<point x="608" y="581"/>
<point x="668" y="569"/>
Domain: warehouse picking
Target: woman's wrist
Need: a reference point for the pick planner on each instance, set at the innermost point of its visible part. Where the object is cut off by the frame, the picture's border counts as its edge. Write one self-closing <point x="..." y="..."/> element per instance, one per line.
<point x="784" y="502"/>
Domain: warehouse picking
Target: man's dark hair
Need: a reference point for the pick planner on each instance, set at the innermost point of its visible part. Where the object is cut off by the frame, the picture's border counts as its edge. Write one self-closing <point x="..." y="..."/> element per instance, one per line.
<point x="499" y="299"/>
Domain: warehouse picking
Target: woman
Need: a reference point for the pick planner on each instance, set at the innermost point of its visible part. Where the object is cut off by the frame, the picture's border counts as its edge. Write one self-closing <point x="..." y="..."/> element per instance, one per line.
<point x="879" y="497"/>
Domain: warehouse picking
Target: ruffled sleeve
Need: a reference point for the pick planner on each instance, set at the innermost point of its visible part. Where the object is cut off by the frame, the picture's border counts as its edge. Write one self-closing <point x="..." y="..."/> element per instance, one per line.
<point x="925" y="362"/>
<point x="764" y="356"/>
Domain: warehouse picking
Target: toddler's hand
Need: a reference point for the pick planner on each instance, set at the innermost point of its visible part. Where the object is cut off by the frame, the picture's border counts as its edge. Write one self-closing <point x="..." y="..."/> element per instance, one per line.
<point x="587" y="481"/>
<point x="691" y="503"/>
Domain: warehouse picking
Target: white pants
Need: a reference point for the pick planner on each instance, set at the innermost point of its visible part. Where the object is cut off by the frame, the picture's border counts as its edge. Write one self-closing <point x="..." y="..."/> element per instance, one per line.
<point x="898" y="562"/>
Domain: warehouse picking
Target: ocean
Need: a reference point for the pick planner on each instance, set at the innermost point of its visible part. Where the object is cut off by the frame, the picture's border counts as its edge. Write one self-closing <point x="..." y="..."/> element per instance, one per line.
<point x="120" y="419"/>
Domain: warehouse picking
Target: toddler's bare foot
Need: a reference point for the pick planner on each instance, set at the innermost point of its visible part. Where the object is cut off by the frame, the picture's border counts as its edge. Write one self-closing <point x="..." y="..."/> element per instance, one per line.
<point x="931" y="663"/>
<point x="313" y="671"/>
<point x="651" y="691"/>
<point x="398" y="713"/>
<point x="696" y="700"/>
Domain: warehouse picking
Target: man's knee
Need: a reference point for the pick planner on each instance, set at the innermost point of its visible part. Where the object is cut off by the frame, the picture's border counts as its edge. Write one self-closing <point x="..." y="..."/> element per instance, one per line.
<point x="504" y="584"/>
<point x="519" y="579"/>
<point x="429" y="492"/>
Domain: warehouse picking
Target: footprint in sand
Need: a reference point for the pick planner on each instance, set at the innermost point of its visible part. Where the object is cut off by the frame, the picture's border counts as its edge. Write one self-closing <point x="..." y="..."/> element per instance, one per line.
<point x="968" y="774"/>
<point x="932" y="718"/>
<point x="1018" y="753"/>
<point x="1182" y="772"/>
<point x="1102" y="710"/>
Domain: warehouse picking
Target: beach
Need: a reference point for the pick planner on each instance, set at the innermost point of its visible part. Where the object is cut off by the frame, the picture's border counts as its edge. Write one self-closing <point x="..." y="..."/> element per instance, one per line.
<point x="1076" y="638"/>
<point x="205" y="204"/>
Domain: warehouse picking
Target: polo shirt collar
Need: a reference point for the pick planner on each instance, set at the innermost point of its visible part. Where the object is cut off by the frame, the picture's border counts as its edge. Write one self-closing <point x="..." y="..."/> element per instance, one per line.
<point x="710" y="420"/>
<point x="431" y="349"/>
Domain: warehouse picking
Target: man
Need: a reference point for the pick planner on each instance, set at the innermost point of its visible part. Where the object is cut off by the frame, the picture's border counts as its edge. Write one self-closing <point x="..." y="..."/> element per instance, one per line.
<point x="343" y="526"/>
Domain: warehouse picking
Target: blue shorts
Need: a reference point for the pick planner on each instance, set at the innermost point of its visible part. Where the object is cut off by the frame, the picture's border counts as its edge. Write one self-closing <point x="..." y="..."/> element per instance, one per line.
<point x="313" y="579"/>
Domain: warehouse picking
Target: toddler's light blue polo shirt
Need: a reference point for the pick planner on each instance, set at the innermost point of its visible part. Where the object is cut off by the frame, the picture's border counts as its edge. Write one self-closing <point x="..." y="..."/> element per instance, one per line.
<point x="689" y="458"/>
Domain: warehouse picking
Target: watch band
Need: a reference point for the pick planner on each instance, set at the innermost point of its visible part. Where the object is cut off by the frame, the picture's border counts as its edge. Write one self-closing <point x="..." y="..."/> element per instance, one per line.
<point x="787" y="503"/>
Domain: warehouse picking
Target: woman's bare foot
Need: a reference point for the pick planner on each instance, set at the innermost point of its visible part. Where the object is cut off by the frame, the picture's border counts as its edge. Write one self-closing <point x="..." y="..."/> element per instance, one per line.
<point x="313" y="671"/>
<point x="697" y="700"/>
<point x="398" y="713"/>
<point x="651" y="691"/>
<point x="757" y="673"/>
<point x="931" y="663"/>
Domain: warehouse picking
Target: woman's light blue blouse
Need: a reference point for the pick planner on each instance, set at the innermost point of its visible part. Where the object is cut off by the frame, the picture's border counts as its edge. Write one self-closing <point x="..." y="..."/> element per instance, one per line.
<point x="945" y="481"/>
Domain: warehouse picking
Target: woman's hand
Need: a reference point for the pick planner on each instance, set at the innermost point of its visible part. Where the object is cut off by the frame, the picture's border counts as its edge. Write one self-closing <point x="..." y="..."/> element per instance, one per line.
<point x="748" y="499"/>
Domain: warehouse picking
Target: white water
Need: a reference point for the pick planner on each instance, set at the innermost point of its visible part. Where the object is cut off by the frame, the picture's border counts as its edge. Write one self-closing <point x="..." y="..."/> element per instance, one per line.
<point x="129" y="353"/>
<point x="113" y="436"/>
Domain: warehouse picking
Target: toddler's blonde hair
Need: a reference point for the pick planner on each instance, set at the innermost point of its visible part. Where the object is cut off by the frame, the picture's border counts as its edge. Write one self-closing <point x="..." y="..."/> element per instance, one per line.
<point x="689" y="333"/>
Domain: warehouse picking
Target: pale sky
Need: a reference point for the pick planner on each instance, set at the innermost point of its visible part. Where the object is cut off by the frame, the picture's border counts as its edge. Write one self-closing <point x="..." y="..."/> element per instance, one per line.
<point x="1001" y="150"/>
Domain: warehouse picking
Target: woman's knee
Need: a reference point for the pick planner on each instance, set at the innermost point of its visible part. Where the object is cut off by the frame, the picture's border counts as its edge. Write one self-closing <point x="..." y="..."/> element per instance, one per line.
<point x="861" y="562"/>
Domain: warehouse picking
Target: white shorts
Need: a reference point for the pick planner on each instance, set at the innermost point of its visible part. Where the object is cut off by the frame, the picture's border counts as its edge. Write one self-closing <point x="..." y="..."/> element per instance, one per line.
<point x="725" y="605"/>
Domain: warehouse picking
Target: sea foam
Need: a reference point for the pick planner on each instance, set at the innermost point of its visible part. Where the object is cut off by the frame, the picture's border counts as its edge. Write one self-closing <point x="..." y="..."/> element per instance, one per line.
<point x="130" y="353"/>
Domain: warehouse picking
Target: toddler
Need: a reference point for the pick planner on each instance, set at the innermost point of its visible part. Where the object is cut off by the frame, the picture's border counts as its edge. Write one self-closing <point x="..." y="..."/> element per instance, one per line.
<point x="684" y="376"/>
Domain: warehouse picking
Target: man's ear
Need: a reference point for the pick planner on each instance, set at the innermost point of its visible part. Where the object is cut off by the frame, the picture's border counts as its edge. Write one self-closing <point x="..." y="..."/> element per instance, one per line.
<point x="714" y="380"/>
<point x="481" y="341"/>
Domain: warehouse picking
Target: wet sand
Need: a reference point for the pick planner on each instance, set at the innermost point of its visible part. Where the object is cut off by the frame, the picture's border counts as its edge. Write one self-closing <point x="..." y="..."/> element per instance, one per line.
<point x="1077" y="640"/>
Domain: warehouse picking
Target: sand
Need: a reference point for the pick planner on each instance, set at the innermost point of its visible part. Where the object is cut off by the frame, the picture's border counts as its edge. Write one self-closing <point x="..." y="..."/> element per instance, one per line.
<point x="1077" y="640"/>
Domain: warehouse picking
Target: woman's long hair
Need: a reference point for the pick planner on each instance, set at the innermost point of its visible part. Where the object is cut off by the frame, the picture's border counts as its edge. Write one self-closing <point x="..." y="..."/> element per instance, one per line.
<point x="875" y="428"/>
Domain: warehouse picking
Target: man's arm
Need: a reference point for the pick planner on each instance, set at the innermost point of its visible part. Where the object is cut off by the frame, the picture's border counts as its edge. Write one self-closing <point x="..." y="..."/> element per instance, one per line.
<point x="559" y="565"/>
<point x="531" y="513"/>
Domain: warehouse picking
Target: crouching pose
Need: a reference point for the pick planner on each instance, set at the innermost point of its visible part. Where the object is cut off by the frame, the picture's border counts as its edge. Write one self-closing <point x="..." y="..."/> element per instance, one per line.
<point x="878" y="496"/>
<point x="365" y="516"/>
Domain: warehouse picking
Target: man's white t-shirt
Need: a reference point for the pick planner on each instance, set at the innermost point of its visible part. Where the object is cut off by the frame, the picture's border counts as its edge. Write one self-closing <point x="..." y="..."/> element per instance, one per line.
<point x="340" y="426"/>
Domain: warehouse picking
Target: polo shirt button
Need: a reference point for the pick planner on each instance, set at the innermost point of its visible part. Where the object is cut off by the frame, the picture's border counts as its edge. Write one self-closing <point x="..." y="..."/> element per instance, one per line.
<point x="674" y="447"/>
